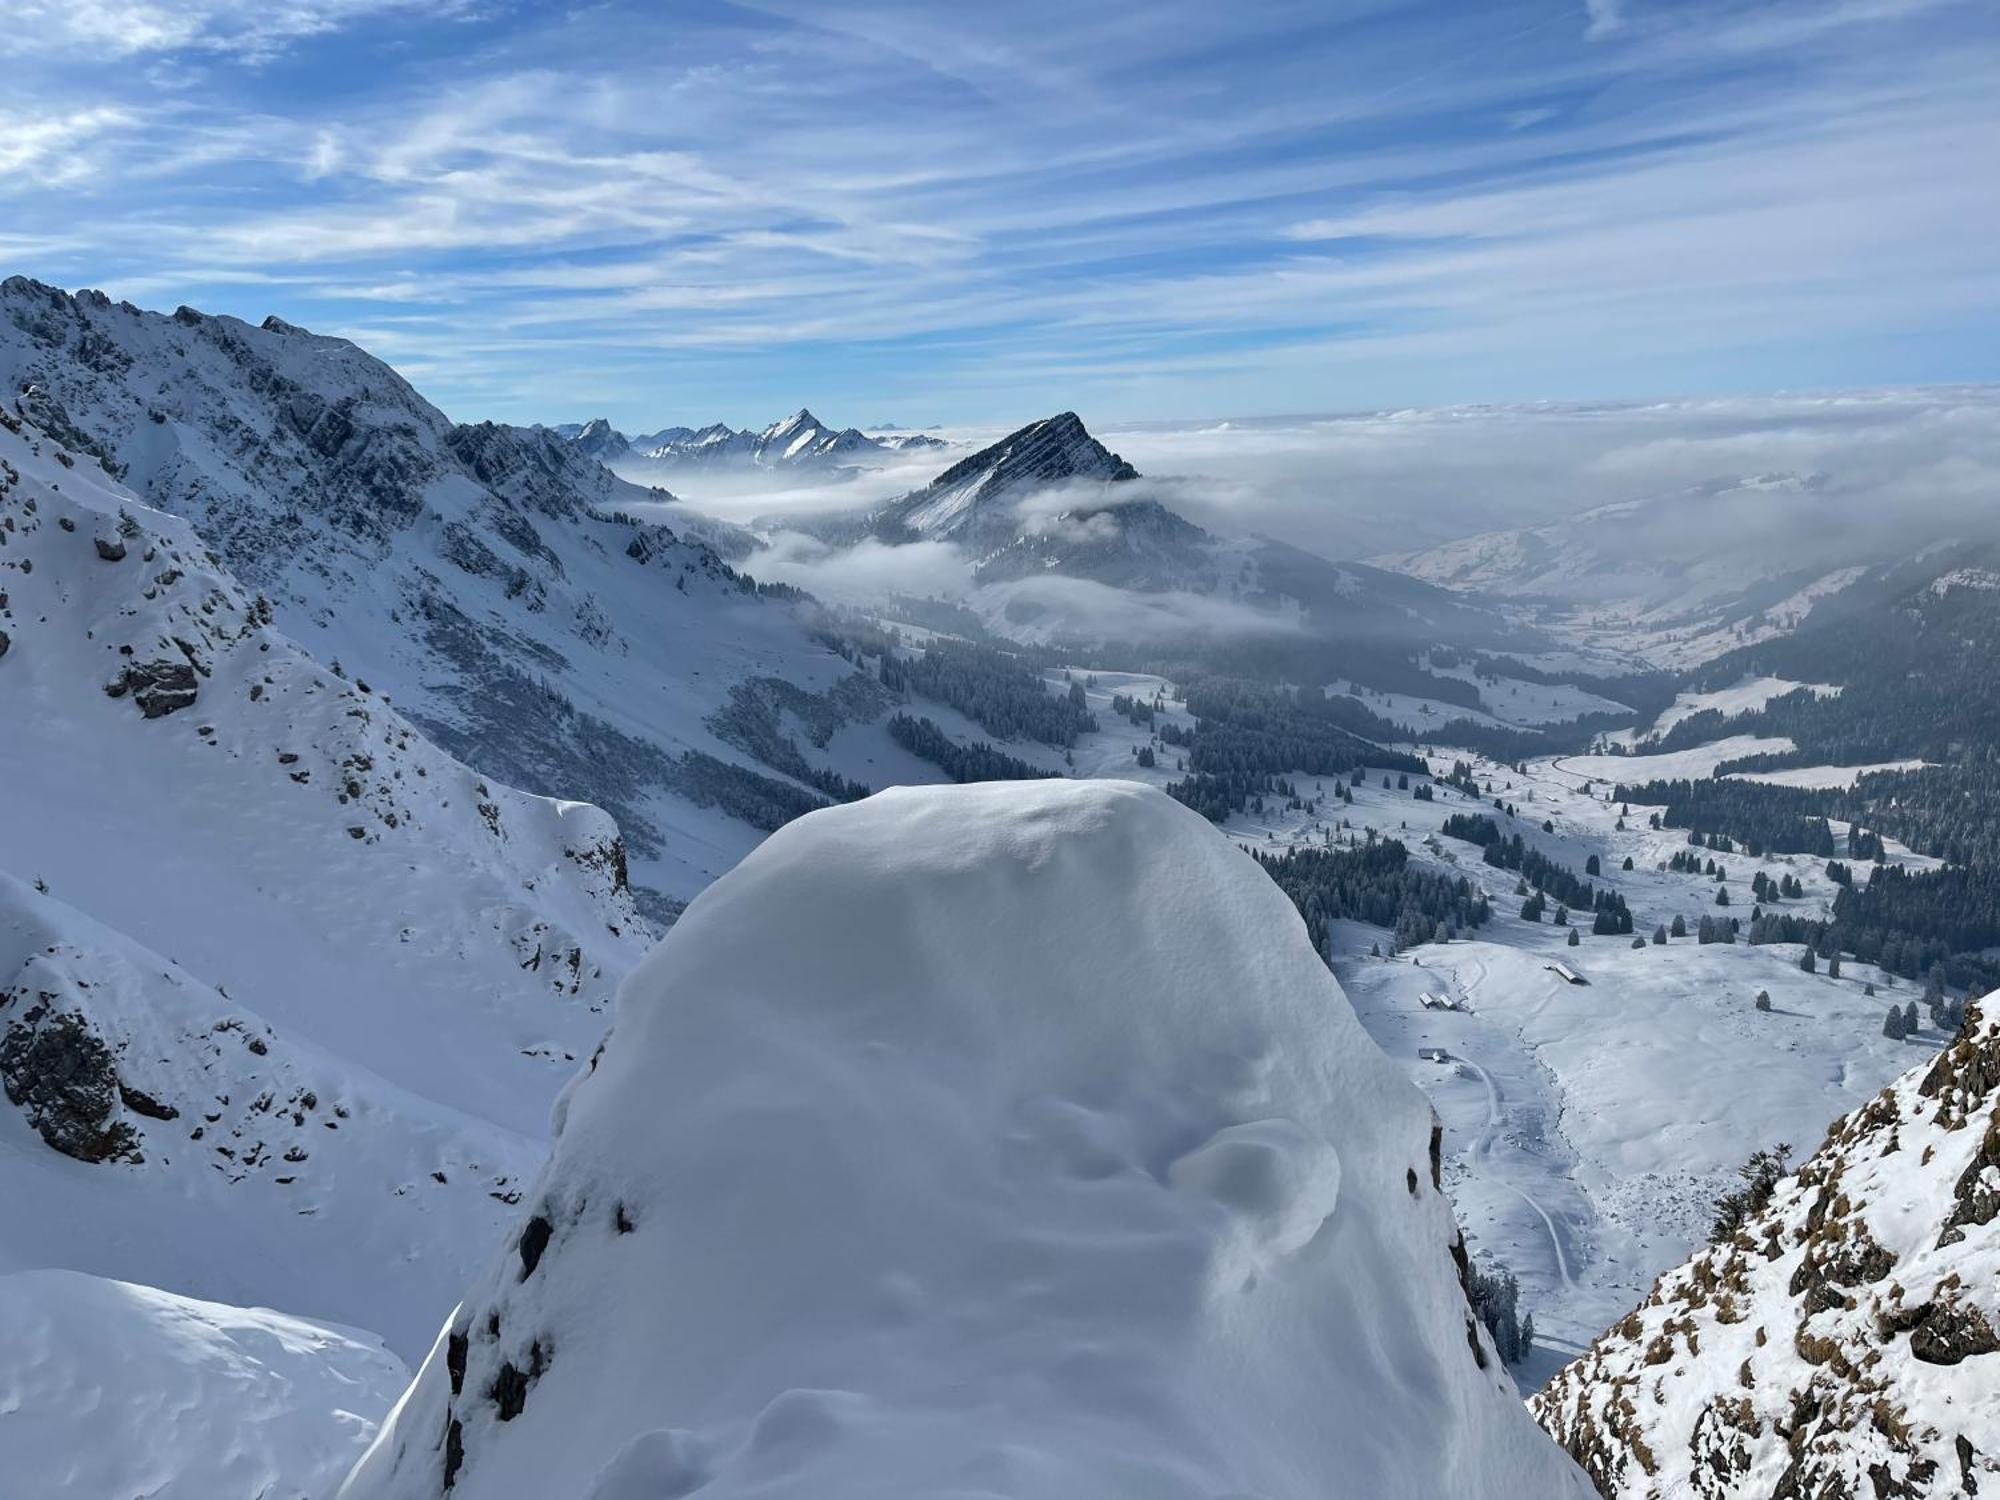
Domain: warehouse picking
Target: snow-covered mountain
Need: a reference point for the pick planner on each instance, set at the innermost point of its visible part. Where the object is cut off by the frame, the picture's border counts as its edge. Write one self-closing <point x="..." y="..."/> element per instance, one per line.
<point x="285" y="990"/>
<point x="975" y="501"/>
<point x="798" y="442"/>
<point x="1842" y="1337"/>
<point x="1008" y="1140"/>
<point x="558" y="627"/>
<point x="1051" y="520"/>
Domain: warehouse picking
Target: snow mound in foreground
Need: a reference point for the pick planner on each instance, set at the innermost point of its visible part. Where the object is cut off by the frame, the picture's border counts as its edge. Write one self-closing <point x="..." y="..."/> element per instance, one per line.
<point x="993" y="1140"/>
<point x="114" y="1390"/>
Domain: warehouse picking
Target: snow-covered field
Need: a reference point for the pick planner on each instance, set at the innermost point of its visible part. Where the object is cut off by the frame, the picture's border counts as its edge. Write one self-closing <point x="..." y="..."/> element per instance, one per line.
<point x="1825" y="776"/>
<point x="1589" y="1128"/>
<point x="1694" y="764"/>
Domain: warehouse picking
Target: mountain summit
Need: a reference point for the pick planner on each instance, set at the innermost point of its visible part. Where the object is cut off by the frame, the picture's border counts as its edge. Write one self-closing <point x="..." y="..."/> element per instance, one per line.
<point x="1007" y="1140"/>
<point x="974" y="500"/>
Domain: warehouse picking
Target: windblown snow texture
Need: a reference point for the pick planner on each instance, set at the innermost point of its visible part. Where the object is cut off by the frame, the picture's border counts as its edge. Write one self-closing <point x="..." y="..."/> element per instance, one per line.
<point x="110" y="1391"/>
<point x="999" y="1140"/>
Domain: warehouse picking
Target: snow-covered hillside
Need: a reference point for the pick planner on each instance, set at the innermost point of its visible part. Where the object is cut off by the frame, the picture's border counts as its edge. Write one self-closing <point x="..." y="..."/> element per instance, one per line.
<point x="1589" y="1127"/>
<point x="1841" y="1338"/>
<point x="490" y="579"/>
<point x="1007" y="1140"/>
<point x="288" y="990"/>
<point x="109" y="1391"/>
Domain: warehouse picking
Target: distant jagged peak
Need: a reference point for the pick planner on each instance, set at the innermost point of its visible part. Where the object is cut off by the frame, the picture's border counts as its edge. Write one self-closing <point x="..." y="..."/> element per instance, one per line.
<point x="1045" y="452"/>
<point x="969" y="496"/>
<point x="598" y="439"/>
<point x="798" y="421"/>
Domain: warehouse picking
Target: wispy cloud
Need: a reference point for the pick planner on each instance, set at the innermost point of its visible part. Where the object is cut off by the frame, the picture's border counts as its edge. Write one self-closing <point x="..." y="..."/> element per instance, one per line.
<point x="890" y="207"/>
<point x="252" y="29"/>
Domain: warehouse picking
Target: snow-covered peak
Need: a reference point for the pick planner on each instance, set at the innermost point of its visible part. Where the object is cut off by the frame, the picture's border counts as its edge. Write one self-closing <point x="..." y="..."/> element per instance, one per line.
<point x="975" y="500"/>
<point x="1843" y="1338"/>
<point x="598" y="439"/>
<point x="540" y="617"/>
<point x="1006" y="1139"/>
<point x="800" y="440"/>
<point x="801" y="420"/>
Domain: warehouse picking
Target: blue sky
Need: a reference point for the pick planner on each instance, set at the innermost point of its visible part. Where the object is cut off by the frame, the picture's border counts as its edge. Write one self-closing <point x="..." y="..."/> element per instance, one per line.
<point x="980" y="213"/>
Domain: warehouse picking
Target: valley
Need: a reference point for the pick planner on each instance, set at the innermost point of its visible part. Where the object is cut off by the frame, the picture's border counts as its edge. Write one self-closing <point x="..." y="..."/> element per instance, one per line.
<point x="379" y="968"/>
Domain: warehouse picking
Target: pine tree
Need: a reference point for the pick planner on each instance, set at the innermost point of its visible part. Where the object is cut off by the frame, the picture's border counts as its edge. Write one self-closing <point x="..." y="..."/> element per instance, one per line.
<point x="1806" y="962"/>
<point x="1892" y="1025"/>
<point x="1574" y="939"/>
<point x="1591" y="866"/>
<point x="1910" y="1018"/>
<point x="1763" y="999"/>
<point x="1660" y="936"/>
<point x="1680" y="927"/>
<point x="1833" y="967"/>
<point x="1628" y="861"/>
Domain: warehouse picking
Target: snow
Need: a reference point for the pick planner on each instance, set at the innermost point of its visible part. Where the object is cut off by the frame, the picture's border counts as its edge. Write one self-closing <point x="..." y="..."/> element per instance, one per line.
<point x="213" y="916"/>
<point x="1825" y="776"/>
<point x="1697" y="763"/>
<point x="1744" y="696"/>
<point x="1833" y="1346"/>
<point x="110" y="1391"/>
<point x="1588" y="1129"/>
<point x="1006" y="1139"/>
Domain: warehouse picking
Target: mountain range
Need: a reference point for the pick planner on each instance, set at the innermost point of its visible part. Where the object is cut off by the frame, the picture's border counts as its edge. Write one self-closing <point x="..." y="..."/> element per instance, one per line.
<point x="798" y="442"/>
<point x="559" y="627"/>
<point x="309" y="926"/>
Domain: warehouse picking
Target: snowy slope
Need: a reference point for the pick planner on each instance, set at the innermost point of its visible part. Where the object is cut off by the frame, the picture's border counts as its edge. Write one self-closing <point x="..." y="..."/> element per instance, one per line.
<point x="157" y="1130"/>
<point x="1842" y="1340"/>
<point x="1006" y="1140"/>
<point x="1589" y="1128"/>
<point x="198" y="782"/>
<point x="112" y="1390"/>
<point x="313" y="982"/>
<point x="1673" y="579"/>
<point x="490" y="579"/>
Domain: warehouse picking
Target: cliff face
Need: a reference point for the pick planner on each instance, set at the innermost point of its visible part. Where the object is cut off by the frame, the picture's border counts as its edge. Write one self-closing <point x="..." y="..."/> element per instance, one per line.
<point x="1844" y="1339"/>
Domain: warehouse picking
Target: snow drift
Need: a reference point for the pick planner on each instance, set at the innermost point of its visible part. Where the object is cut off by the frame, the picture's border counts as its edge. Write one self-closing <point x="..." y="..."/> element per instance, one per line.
<point x="207" y="1402"/>
<point x="995" y="1140"/>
